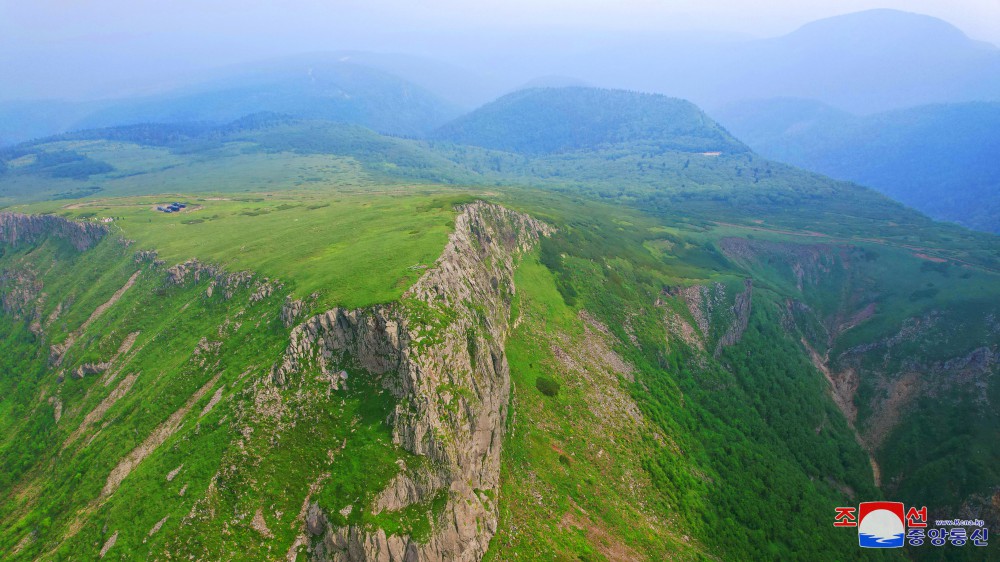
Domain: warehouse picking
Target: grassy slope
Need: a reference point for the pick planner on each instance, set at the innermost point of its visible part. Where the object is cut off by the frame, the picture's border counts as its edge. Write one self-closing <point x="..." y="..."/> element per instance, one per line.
<point x="258" y="448"/>
<point x="614" y="263"/>
<point x="603" y="269"/>
<point x="573" y="482"/>
<point x="735" y="188"/>
<point x="900" y="287"/>
<point x="353" y="249"/>
<point x="142" y="170"/>
<point x="174" y="331"/>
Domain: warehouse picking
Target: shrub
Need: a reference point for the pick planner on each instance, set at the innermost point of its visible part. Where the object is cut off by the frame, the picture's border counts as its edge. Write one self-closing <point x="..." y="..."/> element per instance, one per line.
<point x="547" y="386"/>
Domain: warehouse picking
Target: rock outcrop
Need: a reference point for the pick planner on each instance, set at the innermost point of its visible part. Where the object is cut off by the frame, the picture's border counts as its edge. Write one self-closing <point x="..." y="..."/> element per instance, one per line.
<point x="807" y="263"/>
<point x="17" y="228"/>
<point x="712" y="318"/>
<point x="194" y="271"/>
<point x="19" y="293"/>
<point x="740" y="318"/>
<point x="441" y="353"/>
<point x="90" y="369"/>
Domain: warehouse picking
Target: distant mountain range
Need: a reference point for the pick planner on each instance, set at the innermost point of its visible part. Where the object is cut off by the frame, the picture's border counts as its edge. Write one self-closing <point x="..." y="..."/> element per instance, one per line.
<point x="867" y="62"/>
<point x="319" y="87"/>
<point x="940" y="159"/>
<point x="863" y="62"/>
<point x="25" y="120"/>
<point x="316" y="89"/>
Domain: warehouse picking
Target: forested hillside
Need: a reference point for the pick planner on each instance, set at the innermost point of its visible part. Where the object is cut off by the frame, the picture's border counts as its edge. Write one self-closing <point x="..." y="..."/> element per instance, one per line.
<point x="937" y="159"/>
<point x="553" y="120"/>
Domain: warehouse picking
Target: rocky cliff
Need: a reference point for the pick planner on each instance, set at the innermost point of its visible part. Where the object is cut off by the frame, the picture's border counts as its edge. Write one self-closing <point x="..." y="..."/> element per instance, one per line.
<point x="17" y="228"/>
<point x="440" y="351"/>
<point x="712" y="319"/>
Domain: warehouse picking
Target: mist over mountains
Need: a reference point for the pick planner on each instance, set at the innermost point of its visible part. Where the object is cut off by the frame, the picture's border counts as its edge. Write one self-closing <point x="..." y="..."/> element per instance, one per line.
<point x="939" y="158"/>
<point x="864" y="62"/>
<point x="800" y="98"/>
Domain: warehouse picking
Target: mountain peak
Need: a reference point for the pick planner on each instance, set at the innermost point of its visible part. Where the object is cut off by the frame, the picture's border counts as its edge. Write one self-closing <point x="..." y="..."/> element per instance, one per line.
<point x="885" y="26"/>
<point x="552" y="120"/>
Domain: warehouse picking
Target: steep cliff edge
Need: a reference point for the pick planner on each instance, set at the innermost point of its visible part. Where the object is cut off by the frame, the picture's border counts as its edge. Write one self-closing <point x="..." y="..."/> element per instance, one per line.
<point x="441" y="353"/>
<point x="20" y="287"/>
<point x="17" y="228"/>
<point x="354" y="434"/>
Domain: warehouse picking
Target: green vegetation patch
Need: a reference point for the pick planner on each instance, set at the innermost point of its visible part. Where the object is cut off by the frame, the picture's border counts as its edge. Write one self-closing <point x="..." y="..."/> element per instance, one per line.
<point x="238" y="455"/>
<point x="351" y="249"/>
<point x="547" y="386"/>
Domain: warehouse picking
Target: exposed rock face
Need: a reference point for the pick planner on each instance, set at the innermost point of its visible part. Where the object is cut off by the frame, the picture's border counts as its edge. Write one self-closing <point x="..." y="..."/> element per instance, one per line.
<point x="808" y="262"/>
<point x="17" y="228"/>
<point x="882" y="384"/>
<point x="291" y="310"/>
<point x="19" y="293"/>
<point x="90" y="369"/>
<point x="700" y="300"/>
<point x="193" y="271"/>
<point x="741" y="318"/>
<point x="901" y="386"/>
<point x="706" y="304"/>
<point x="442" y="349"/>
<point x="148" y="256"/>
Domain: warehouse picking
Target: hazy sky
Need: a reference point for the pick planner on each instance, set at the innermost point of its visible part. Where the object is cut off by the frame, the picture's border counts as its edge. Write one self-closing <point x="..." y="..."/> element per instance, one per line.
<point x="73" y="48"/>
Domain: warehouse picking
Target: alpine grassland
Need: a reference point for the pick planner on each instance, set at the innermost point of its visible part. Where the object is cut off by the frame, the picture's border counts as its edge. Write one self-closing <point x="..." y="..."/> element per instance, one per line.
<point x="688" y="351"/>
<point x="352" y="249"/>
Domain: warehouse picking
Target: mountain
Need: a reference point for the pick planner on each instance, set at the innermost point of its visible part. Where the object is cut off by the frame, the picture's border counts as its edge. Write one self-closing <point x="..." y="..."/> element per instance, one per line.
<point x="872" y="61"/>
<point x="552" y="81"/>
<point x="320" y="89"/>
<point x="553" y="120"/>
<point x="936" y="158"/>
<point x="863" y="62"/>
<point x="350" y="346"/>
<point x="25" y="120"/>
<point x="465" y="87"/>
<point x="312" y="87"/>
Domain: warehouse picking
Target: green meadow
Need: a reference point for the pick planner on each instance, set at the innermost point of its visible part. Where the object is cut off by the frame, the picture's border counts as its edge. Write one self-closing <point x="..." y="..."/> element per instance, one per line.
<point x="353" y="249"/>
